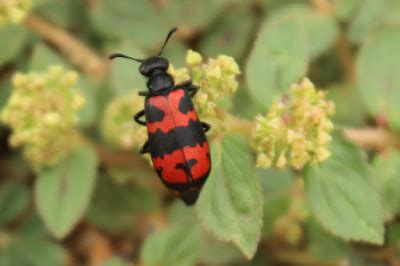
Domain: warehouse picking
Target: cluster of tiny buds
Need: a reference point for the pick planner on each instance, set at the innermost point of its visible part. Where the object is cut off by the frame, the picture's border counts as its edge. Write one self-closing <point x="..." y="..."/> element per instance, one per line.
<point x="296" y="130"/>
<point x="13" y="11"/>
<point x="216" y="79"/>
<point x="42" y="112"/>
<point x="118" y="127"/>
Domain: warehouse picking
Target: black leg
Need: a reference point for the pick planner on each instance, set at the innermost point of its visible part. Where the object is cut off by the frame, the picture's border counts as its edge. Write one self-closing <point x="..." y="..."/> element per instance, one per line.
<point x="138" y="116"/>
<point x="143" y="93"/>
<point x="206" y="126"/>
<point x="193" y="90"/>
<point x="145" y="148"/>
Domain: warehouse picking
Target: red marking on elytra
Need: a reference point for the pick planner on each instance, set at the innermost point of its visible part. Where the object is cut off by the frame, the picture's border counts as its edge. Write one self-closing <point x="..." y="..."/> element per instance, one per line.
<point x="172" y="175"/>
<point x="173" y="117"/>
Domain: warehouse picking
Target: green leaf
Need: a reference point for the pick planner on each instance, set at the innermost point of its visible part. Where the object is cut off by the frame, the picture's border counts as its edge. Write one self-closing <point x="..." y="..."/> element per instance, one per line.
<point x="195" y="14"/>
<point x="346" y="9"/>
<point x="369" y="16"/>
<point x="230" y="35"/>
<point x="124" y="74"/>
<point x="14" y="198"/>
<point x="350" y="109"/>
<point x="230" y="205"/>
<point x="276" y="60"/>
<point x="378" y="75"/>
<point x="342" y="194"/>
<point x="217" y="252"/>
<point x="63" y="192"/>
<point x="323" y="245"/>
<point x="387" y="172"/>
<point x="5" y="92"/>
<point x="139" y="21"/>
<point x="175" y="245"/>
<point x="32" y="251"/>
<point x="115" y="205"/>
<point x="12" y="41"/>
<point x="43" y="57"/>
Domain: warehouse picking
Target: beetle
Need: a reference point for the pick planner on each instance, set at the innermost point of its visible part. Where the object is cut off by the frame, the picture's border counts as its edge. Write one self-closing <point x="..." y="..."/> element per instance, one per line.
<point x="176" y="137"/>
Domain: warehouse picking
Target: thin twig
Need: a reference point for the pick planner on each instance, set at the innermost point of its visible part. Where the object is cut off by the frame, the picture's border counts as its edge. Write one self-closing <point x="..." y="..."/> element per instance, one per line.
<point x="343" y="48"/>
<point x="76" y="52"/>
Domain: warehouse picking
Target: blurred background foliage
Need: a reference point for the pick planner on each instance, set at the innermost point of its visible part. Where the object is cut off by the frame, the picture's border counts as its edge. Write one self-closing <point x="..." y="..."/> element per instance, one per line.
<point x="121" y="215"/>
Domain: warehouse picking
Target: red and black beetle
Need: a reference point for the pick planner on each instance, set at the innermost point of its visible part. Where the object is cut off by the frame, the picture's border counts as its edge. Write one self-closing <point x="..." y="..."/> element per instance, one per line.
<point x="177" y="142"/>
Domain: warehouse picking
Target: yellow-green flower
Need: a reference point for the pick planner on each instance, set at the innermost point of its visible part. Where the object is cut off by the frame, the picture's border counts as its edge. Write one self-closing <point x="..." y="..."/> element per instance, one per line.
<point x="118" y="127"/>
<point x="296" y="130"/>
<point x="13" y="11"/>
<point x="216" y="79"/>
<point x="42" y="113"/>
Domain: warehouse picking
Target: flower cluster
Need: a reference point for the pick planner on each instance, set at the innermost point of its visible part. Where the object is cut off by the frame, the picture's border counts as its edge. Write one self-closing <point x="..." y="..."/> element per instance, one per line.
<point x="13" y="11"/>
<point x="118" y="127"/>
<point x="296" y="130"/>
<point x="42" y="113"/>
<point x="216" y="79"/>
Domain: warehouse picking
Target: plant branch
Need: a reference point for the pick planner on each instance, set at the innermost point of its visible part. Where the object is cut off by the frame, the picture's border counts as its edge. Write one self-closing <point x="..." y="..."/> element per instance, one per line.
<point x="345" y="56"/>
<point x="76" y="52"/>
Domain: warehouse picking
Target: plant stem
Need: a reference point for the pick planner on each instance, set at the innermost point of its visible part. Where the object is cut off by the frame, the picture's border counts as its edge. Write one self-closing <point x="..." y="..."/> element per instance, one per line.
<point x="76" y="52"/>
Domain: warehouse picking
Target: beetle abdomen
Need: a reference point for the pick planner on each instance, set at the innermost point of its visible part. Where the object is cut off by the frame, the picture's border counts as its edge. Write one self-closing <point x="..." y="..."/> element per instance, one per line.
<point x="178" y="145"/>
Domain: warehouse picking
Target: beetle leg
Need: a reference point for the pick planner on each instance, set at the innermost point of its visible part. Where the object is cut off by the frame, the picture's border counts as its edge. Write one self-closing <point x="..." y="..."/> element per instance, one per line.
<point x="193" y="90"/>
<point x="145" y="148"/>
<point x="138" y="116"/>
<point x="206" y="126"/>
<point x="143" y="93"/>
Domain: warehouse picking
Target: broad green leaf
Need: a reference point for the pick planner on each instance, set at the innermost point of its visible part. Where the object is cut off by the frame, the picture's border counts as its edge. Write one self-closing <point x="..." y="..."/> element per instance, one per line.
<point x="115" y="205"/>
<point x="387" y="173"/>
<point x="175" y="245"/>
<point x="343" y="196"/>
<point x="32" y="251"/>
<point x="323" y="245"/>
<point x="195" y="14"/>
<point x="378" y="75"/>
<point x="179" y="213"/>
<point x="14" y="198"/>
<point x="12" y="42"/>
<point x="217" y="252"/>
<point x="368" y="18"/>
<point x="65" y="13"/>
<point x="276" y="60"/>
<point x="43" y="57"/>
<point x="230" y="35"/>
<point x="63" y="192"/>
<point x="276" y="181"/>
<point x="346" y="9"/>
<point x="138" y="20"/>
<point x="125" y="74"/>
<point x="230" y="205"/>
<point x="349" y="108"/>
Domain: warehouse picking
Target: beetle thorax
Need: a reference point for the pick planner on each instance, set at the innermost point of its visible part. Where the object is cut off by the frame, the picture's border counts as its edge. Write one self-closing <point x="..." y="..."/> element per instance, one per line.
<point x="159" y="81"/>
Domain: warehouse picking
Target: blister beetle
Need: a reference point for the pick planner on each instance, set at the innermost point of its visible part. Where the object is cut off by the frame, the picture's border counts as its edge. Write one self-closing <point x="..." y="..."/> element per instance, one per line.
<point x="176" y="137"/>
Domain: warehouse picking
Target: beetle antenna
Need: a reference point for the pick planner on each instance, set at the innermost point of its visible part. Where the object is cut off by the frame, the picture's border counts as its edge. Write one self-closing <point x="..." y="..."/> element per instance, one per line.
<point x="116" y="55"/>
<point x="167" y="39"/>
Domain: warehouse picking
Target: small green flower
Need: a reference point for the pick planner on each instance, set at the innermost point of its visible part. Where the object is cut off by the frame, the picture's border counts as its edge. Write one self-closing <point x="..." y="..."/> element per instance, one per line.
<point x="296" y="130"/>
<point x="13" y="11"/>
<point x="42" y="113"/>
<point x="118" y="127"/>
